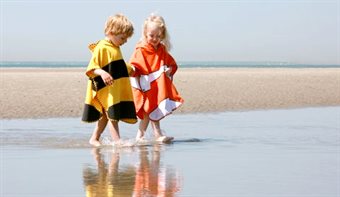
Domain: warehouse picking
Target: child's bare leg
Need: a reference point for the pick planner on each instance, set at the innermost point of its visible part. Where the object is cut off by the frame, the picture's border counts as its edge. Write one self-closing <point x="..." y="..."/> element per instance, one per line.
<point x="114" y="130"/>
<point x="143" y="125"/>
<point x="158" y="132"/>
<point x="156" y="129"/>
<point x="98" y="130"/>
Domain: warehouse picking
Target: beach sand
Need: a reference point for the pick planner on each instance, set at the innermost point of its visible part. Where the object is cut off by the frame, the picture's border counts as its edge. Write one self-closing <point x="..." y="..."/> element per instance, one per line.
<point x="60" y="92"/>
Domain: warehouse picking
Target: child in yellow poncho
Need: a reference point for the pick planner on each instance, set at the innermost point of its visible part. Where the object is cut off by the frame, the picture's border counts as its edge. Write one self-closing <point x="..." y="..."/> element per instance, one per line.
<point x="109" y="96"/>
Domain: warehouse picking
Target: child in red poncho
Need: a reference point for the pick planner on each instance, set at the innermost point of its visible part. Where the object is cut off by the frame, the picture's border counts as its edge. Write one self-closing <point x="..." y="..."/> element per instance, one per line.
<point x="155" y="95"/>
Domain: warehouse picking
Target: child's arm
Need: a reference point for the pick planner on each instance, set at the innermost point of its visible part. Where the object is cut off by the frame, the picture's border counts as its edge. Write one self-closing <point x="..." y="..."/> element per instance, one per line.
<point x="107" y="78"/>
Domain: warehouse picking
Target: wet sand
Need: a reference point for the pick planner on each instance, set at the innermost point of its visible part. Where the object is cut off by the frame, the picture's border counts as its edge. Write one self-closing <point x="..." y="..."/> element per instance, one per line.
<point x="256" y="153"/>
<point x="51" y="92"/>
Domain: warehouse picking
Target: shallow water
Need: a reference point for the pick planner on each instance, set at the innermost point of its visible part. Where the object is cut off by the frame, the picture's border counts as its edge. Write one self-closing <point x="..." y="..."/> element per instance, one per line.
<point x="293" y="152"/>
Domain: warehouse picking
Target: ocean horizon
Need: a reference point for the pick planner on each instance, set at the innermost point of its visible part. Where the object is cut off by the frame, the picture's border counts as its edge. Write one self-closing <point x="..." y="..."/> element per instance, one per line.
<point x="182" y="64"/>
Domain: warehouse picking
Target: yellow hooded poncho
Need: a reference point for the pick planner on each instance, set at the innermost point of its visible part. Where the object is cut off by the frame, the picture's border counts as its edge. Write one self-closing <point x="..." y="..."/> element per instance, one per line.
<point x="116" y="99"/>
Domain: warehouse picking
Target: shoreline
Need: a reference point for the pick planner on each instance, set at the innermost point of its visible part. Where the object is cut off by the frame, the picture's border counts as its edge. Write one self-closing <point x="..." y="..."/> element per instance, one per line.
<point x="60" y="92"/>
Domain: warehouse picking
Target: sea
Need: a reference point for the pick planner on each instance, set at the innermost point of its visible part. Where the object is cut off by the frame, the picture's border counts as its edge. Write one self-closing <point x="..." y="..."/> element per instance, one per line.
<point x="181" y="64"/>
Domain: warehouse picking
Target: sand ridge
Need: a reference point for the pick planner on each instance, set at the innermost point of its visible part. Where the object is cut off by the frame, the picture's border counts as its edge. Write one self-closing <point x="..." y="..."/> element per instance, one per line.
<point x="60" y="92"/>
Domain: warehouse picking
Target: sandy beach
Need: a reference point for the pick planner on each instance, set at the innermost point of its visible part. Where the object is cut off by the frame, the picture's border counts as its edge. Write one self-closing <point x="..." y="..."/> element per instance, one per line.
<point x="60" y="92"/>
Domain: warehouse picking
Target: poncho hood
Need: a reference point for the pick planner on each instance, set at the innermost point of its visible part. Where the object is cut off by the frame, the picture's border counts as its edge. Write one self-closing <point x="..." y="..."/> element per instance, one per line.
<point x="148" y="47"/>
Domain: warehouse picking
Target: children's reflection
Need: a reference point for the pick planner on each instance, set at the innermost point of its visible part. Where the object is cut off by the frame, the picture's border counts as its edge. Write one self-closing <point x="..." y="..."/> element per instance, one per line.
<point x="148" y="178"/>
<point x="107" y="179"/>
<point x="152" y="178"/>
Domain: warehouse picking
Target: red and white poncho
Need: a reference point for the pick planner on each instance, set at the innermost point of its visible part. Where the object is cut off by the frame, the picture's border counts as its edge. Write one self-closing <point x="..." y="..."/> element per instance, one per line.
<point x="153" y="90"/>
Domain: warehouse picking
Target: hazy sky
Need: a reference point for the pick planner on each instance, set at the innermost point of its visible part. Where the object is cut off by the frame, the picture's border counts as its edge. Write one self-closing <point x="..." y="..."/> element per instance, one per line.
<point x="298" y="31"/>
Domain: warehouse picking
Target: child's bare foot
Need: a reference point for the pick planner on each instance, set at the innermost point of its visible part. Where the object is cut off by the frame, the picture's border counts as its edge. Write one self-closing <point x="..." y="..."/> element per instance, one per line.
<point x="95" y="143"/>
<point x="117" y="143"/>
<point x="141" y="141"/>
<point x="139" y="136"/>
<point x="165" y="139"/>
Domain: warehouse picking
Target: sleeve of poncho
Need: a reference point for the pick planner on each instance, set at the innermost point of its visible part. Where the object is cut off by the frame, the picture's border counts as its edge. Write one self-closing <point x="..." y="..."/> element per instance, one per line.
<point x="95" y="62"/>
<point x="170" y="61"/>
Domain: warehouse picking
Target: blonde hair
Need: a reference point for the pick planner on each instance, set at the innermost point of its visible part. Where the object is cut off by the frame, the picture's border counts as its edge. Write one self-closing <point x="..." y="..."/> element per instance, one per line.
<point x="118" y="24"/>
<point x="159" y="21"/>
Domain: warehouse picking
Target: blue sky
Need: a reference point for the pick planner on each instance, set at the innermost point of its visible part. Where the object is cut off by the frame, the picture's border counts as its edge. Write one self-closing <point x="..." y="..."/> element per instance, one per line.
<point x="297" y="31"/>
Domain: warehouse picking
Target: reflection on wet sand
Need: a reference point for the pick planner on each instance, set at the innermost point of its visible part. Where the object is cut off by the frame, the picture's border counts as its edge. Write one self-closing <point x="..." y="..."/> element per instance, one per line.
<point x="146" y="177"/>
<point x="107" y="179"/>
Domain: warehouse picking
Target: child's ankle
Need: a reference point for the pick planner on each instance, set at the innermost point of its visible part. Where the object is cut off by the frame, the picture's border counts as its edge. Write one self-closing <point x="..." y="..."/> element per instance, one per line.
<point x="158" y="133"/>
<point x="140" y="134"/>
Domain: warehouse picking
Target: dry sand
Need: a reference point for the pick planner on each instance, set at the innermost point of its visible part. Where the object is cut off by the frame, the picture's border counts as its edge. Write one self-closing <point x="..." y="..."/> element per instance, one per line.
<point x="44" y="93"/>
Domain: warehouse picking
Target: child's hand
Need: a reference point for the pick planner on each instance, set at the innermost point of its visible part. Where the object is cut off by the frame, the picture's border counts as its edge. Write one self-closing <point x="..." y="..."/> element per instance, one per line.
<point x="168" y="71"/>
<point x="132" y="71"/>
<point x="107" y="78"/>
